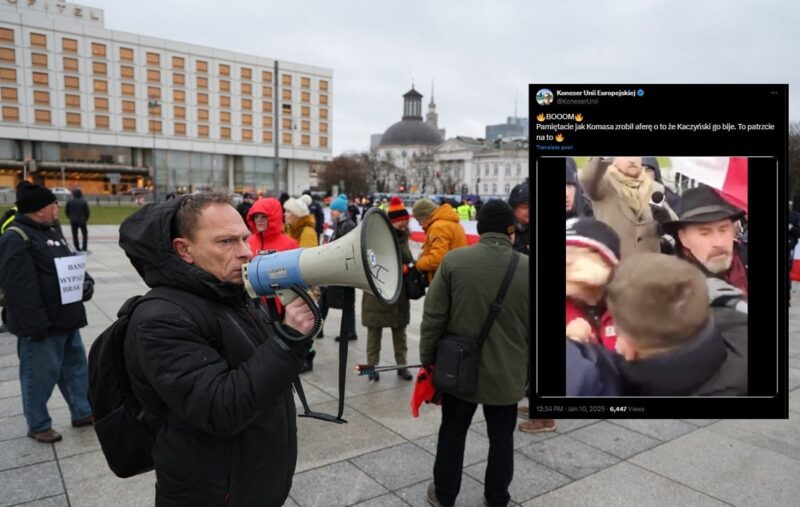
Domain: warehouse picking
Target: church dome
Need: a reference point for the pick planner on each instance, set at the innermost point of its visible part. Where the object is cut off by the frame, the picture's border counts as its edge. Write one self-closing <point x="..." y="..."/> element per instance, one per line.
<point x="410" y="132"/>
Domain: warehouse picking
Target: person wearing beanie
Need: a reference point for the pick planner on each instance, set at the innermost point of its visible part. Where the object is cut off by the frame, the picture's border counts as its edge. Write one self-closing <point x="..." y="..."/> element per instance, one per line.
<point x="316" y="210"/>
<point x="77" y="211"/>
<point x="443" y="233"/>
<point x="244" y="207"/>
<point x="653" y="169"/>
<point x="671" y="344"/>
<point x="621" y="193"/>
<point x="49" y="342"/>
<point x="519" y="200"/>
<point x="577" y="203"/>
<point x="301" y="223"/>
<point x="375" y="315"/>
<point x="458" y="302"/>
<point x="340" y="297"/>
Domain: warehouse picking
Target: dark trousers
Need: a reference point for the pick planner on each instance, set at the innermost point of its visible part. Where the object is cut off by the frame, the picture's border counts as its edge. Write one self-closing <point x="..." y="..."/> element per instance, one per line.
<point x="447" y="469"/>
<point x="75" y="228"/>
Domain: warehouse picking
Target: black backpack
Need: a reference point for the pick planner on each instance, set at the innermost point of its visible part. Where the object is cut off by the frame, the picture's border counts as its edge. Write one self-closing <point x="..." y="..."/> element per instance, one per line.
<point x="127" y="431"/>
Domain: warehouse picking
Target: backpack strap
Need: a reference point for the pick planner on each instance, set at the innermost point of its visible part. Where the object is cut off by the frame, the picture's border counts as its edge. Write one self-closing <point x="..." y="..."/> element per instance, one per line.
<point x="19" y="231"/>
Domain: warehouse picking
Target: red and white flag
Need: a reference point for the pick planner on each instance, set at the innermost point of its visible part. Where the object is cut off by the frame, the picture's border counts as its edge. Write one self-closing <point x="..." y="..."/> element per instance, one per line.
<point x="726" y="174"/>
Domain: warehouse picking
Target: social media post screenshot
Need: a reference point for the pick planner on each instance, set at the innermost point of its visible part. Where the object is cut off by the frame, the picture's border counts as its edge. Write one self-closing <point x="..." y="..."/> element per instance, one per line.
<point x="665" y="293"/>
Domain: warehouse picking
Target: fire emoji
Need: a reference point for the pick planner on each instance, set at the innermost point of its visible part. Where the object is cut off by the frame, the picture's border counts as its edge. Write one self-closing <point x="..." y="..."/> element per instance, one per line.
<point x="559" y="137"/>
<point x="540" y="116"/>
<point x="579" y="117"/>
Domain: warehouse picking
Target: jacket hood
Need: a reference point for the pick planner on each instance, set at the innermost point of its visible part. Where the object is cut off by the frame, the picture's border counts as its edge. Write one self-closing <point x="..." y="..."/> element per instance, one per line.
<point x="652" y="163"/>
<point x="272" y="208"/>
<point x="146" y="238"/>
<point x="77" y="193"/>
<point x="446" y="213"/>
<point x="678" y="372"/>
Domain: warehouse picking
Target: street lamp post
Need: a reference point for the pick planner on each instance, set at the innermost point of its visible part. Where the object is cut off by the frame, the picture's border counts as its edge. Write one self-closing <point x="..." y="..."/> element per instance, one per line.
<point x="151" y="105"/>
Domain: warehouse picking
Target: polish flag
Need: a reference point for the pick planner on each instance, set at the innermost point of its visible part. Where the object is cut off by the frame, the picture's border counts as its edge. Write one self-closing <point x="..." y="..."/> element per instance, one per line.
<point x="726" y="174"/>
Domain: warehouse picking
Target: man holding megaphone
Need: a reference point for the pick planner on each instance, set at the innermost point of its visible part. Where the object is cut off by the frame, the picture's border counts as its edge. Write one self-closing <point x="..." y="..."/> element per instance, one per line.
<point x="220" y="392"/>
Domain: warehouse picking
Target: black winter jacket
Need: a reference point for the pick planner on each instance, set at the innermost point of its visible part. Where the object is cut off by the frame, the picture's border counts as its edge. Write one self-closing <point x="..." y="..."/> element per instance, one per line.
<point x="711" y="364"/>
<point x="229" y="433"/>
<point x="77" y="210"/>
<point x="29" y="280"/>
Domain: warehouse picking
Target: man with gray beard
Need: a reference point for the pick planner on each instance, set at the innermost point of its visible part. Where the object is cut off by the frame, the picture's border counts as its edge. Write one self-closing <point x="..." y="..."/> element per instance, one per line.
<point x="706" y="235"/>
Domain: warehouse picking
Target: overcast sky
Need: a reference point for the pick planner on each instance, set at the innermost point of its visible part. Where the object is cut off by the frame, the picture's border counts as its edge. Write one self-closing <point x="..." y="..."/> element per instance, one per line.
<point x="483" y="54"/>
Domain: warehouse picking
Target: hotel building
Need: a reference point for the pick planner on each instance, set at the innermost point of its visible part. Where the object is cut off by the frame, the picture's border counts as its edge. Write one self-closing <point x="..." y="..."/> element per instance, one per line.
<point x="110" y="111"/>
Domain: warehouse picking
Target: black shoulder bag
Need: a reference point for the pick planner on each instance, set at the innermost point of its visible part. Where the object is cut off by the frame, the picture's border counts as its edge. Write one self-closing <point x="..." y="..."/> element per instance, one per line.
<point x="456" y="370"/>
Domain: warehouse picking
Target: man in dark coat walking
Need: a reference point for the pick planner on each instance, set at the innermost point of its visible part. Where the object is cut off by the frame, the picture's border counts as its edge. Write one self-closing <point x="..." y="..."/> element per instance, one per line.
<point x="78" y="214"/>
<point x="227" y="432"/>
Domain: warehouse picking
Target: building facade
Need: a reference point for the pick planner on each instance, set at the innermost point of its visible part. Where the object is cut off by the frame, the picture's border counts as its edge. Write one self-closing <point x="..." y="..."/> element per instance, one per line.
<point x="514" y="128"/>
<point x="108" y="110"/>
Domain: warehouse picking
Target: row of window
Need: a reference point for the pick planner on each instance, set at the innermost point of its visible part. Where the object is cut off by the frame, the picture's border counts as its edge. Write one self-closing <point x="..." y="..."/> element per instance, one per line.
<point x="38" y="40"/>
<point x="44" y="117"/>
<point x="154" y="92"/>
<point x="506" y="188"/>
<point x="477" y="170"/>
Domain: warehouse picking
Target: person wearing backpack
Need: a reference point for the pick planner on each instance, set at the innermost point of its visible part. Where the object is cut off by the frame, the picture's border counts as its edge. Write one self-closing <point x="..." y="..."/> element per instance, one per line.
<point x="217" y="390"/>
<point x="49" y="343"/>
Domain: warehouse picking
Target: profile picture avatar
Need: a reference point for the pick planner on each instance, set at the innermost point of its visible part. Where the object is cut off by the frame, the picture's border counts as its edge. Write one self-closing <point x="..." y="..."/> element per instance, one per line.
<point x="544" y="97"/>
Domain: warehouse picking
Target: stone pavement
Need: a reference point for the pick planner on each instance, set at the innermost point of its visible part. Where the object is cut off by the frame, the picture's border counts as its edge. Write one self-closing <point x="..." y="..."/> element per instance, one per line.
<point x="384" y="457"/>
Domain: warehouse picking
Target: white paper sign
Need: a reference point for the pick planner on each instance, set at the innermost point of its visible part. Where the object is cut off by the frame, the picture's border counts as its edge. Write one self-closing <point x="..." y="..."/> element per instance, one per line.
<point x="71" y="271"/>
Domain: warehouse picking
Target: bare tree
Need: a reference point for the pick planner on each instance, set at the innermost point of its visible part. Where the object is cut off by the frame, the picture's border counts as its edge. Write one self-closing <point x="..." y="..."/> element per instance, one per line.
<point x="347" y="171"/>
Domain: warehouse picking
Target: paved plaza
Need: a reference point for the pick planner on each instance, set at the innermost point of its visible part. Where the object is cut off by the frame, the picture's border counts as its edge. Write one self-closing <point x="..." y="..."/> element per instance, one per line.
<point x="384" y="456"/>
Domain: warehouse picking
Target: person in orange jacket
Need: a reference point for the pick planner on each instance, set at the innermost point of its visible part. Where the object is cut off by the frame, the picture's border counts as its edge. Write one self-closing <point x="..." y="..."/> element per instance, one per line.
<point x="443" y="233"/>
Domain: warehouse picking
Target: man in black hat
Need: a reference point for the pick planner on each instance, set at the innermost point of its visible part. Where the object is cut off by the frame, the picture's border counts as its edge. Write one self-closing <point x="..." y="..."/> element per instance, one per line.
<point x="244" y="207"/>
<point x="468" y="279"/>
<point x="519" y="200"/>
<point x="706" y="236"/>
<point x="41" y="314"/>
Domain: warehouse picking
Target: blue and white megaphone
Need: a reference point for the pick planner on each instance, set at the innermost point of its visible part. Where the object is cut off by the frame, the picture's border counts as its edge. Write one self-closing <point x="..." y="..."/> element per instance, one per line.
<point x="367" y="258"/>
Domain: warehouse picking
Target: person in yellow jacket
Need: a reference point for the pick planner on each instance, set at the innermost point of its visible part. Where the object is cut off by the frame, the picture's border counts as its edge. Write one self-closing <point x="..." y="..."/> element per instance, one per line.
<point x="443" y="233"/>
<point x="301" y="224"/>
<point x="466" y="211"/>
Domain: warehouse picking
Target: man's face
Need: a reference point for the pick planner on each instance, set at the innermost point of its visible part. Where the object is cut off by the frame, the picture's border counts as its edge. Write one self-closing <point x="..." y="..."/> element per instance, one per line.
<point x="48" y="214"/>
<point x="570" y="196"/>
<point x="335" y="214"/>
<point x="423" y="222"/>
<point x="710" y="243"/>
<point x="219" y="246"/>
<point x="629" y="166"/>
<point x="521" y="214"/>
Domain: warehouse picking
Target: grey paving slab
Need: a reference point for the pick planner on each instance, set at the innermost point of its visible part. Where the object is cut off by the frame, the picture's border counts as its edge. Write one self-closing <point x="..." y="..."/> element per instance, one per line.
<point x="794" y="378"/>
<point x="567" y="425"/>
<point x="13" y="427"/>
<point x="320" y="443"/>
<point x="290" y="503"/>
<point x="24" y="451"/>
<point x="661" y="429"/>
<point x="9" y="373"/>
<point x="396" y="467"/>
<point x="10" y="406"/>
<point x="314" y="395"/>
<point x="339" y="484"/>
<point x="8" y="344"/>
<point x="568" y="456"/>
<point x="727" y="469"/>
<point x="476" y="447"/>
<point x="391" y="409"/>
<point x="76" y="440"/>
<point x="29" y="483"/>
<point x="794" y="400"/>
<point x="389" y="500"/>
<point x="624" y="485"/>
<point x="9" y="360"/>
<point x="471" y="493"/>
<point x="700" y="423"/>
<point x="9" y="388"/>
<point x="621" y="442"/>
<point x="781" y="436"/>
<point x="521" y="439"/>
<point x="52" y="501"/>
<point x="531" y="479"/>
<point x="90" y="483"/>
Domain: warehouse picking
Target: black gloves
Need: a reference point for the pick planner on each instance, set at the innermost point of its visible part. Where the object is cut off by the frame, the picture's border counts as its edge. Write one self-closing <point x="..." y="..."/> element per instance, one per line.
<point x="88" y="289"/>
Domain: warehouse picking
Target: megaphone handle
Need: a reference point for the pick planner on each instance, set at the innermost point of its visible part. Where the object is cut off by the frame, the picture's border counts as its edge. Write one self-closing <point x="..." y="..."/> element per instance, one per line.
<point x="314" y="310"/>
